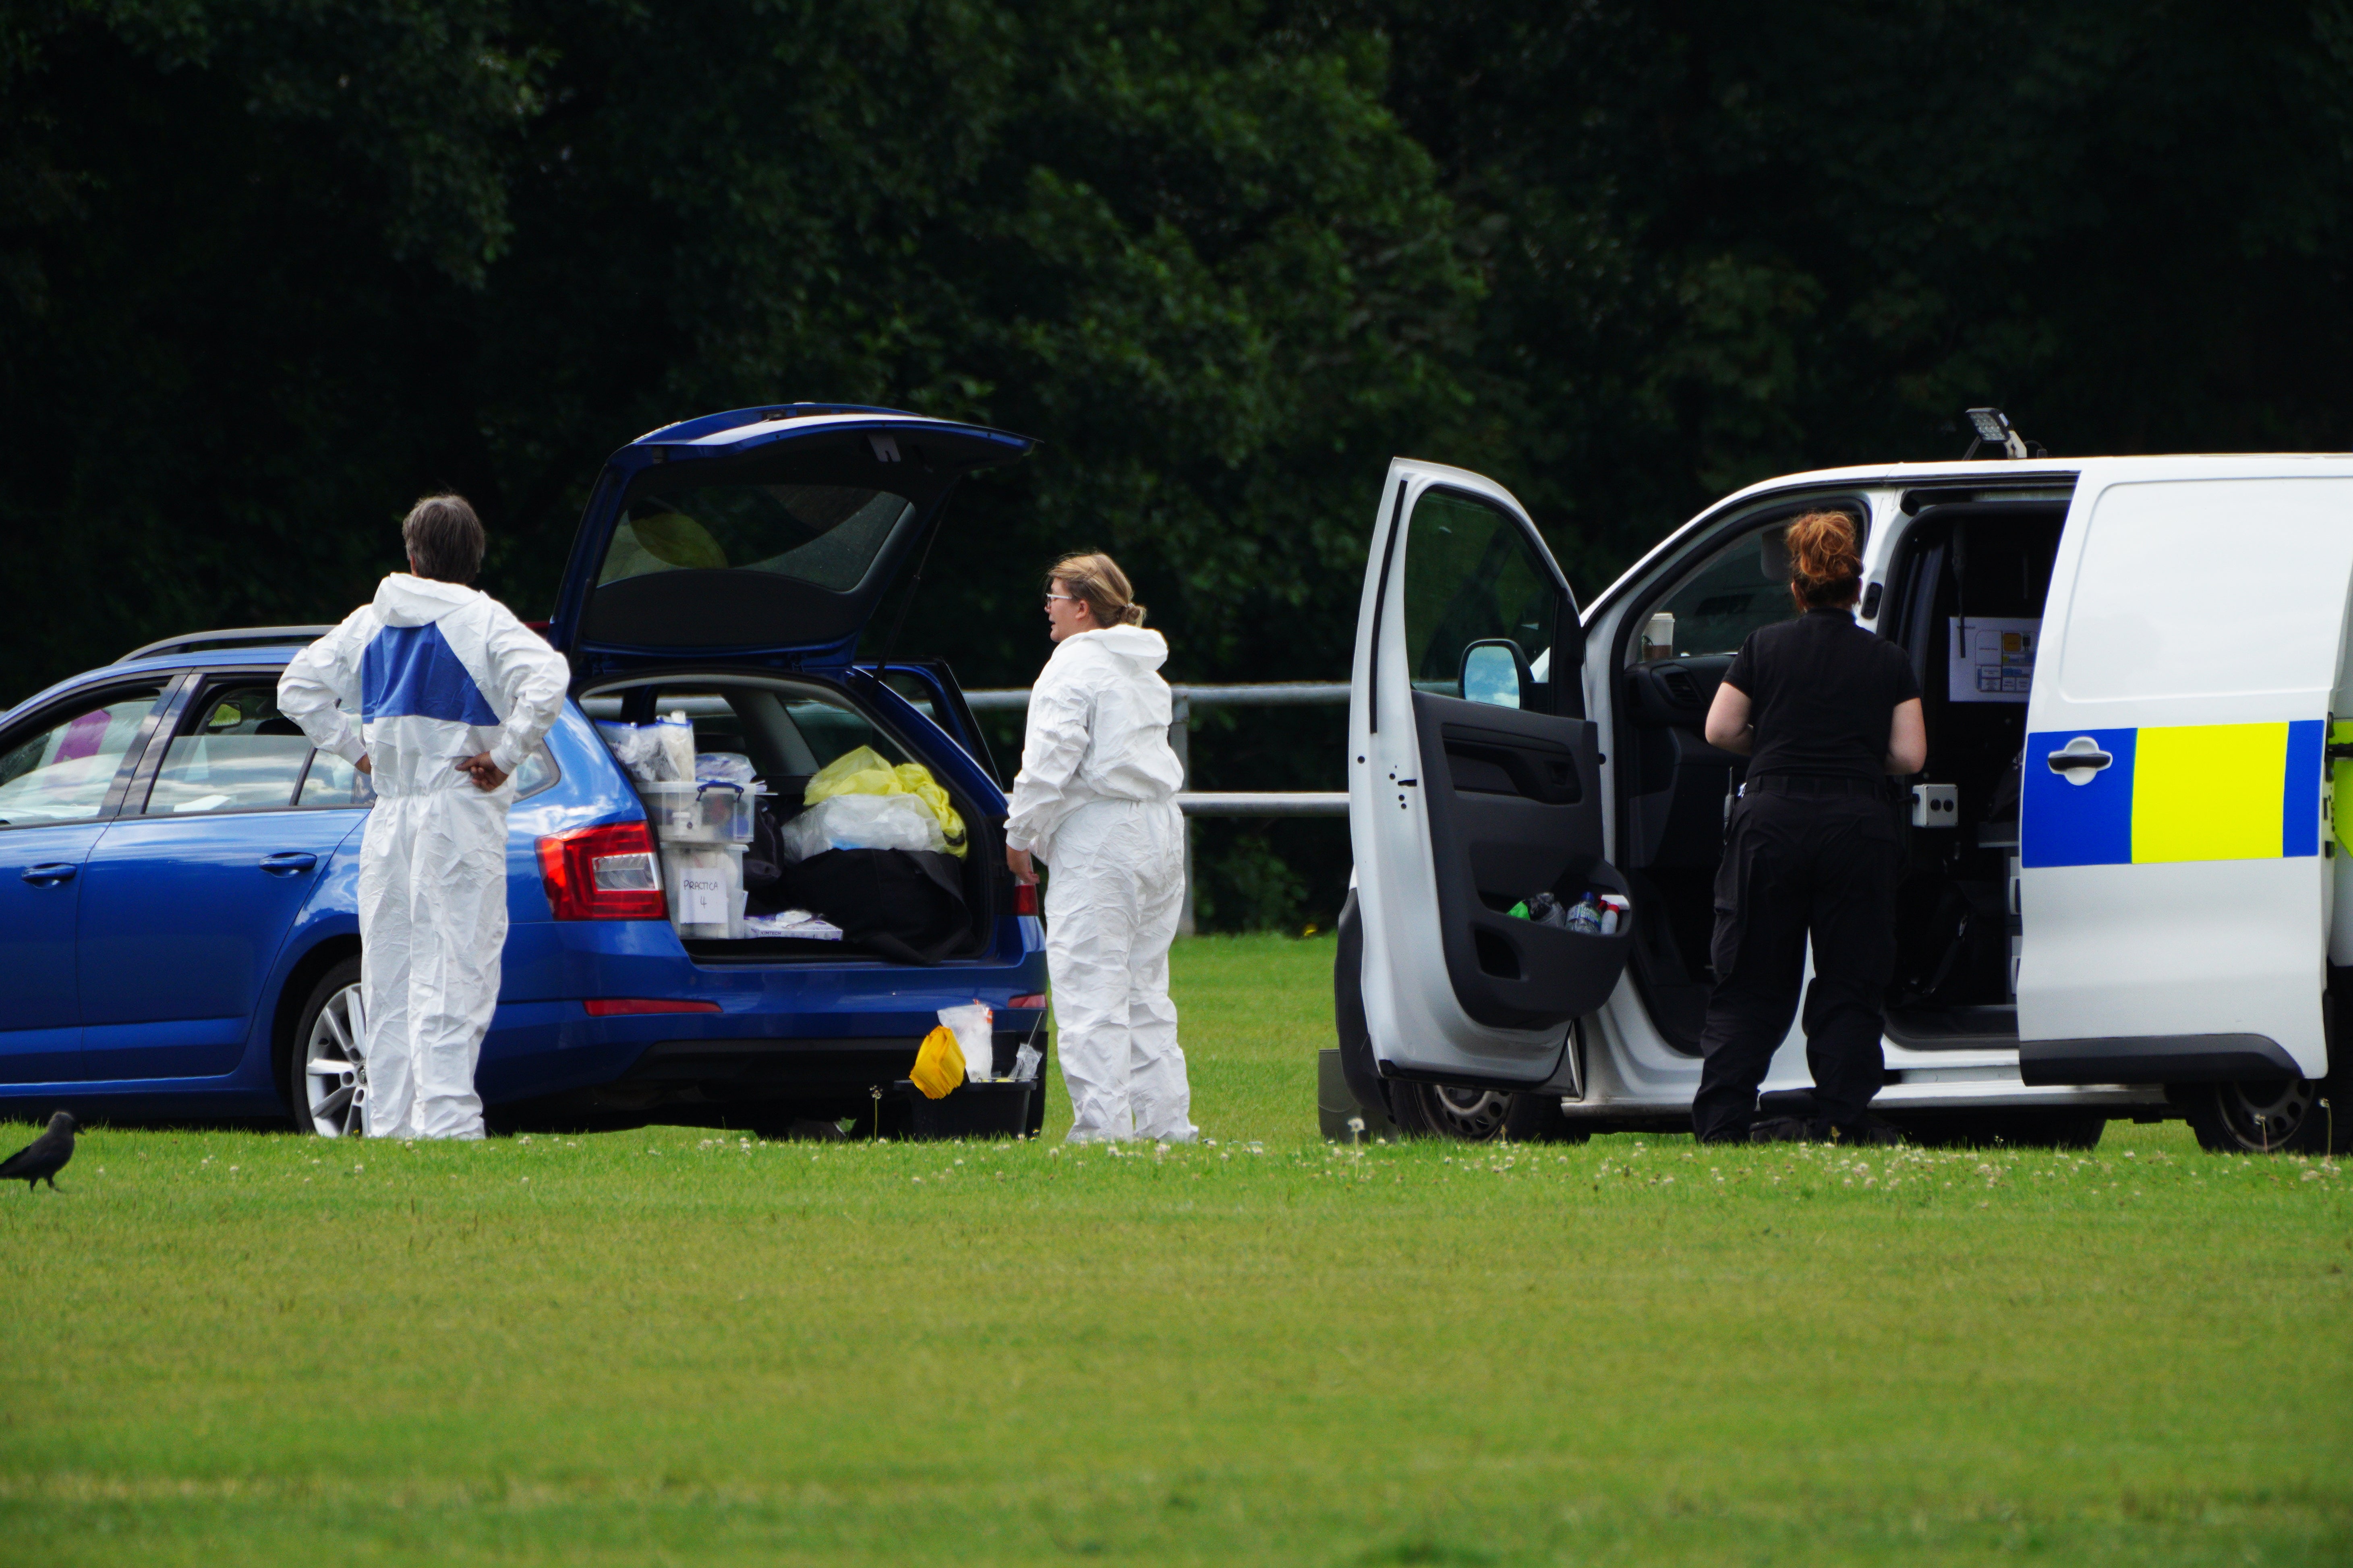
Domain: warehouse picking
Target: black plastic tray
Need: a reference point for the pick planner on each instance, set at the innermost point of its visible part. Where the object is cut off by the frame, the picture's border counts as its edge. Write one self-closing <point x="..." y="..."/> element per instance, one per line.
<point x="968" y="1111"/>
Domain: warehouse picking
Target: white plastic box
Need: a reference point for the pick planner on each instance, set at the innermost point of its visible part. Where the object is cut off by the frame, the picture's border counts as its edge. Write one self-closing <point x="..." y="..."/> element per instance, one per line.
<point x="704" y="884"/>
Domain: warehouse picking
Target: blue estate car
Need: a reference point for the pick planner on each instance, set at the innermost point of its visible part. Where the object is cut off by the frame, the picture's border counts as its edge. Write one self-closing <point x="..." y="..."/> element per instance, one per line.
<point x="177" y="926"/>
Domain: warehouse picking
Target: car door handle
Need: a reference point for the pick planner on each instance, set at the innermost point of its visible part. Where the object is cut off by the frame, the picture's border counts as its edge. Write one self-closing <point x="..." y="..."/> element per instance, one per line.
<point x="288" y="862"/>
<point x="2078" y="760"/>
<point x="50" y="875"/>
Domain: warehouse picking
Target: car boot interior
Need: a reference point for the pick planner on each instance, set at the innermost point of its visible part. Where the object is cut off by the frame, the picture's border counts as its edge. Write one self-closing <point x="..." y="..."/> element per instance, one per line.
<point x="1968" y="573"/>
<point x="790" y="729"/>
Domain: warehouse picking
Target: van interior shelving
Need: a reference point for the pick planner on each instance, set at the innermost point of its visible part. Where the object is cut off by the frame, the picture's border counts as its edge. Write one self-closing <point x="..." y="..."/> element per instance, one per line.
<point x="790" y="727"/>
<point x="1976" y="554"/>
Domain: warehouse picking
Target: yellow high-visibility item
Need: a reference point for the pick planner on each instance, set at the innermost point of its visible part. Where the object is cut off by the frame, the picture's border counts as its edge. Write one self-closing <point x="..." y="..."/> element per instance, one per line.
<point x="865" y="771"/>
<point x="939" y="1064"/>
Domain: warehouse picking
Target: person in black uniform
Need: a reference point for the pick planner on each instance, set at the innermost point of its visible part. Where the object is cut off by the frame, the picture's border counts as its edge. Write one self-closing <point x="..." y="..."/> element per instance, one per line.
<point x="1825" y="711"/>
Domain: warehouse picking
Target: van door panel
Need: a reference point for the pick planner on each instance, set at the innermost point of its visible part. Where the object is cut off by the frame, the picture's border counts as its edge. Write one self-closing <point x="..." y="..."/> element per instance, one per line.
<point x="2170" y="875"/>
<point x="1459" y="809"/>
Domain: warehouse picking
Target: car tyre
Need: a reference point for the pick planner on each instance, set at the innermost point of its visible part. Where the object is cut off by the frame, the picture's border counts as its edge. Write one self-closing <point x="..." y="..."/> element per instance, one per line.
<point x="326" y="1079"/>
<point x="2290" y="1116"/>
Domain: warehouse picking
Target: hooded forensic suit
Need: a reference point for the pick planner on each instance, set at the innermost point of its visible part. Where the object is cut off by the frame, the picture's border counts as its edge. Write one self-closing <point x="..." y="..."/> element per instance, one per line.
<point x="1095" y="801"/>
<point x="438" y="672"/>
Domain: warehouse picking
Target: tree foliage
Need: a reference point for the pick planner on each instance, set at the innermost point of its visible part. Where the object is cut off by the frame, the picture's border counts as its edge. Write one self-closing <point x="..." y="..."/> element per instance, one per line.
<point x="269" y="269"/>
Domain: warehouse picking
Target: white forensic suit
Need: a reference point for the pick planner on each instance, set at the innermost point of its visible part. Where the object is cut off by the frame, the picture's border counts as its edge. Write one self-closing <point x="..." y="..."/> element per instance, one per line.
<point x="437" y="671"/>
<point x="1095" y="801"/>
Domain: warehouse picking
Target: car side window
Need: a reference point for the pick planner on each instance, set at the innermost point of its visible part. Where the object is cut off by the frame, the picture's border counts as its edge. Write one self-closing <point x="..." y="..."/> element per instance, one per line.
<point x="535" y="773"/>
<point x="62" y="772"/>
<point x="235" y="753"/>
<point x="330" y="781"/>
<point x="1470" y="577"/>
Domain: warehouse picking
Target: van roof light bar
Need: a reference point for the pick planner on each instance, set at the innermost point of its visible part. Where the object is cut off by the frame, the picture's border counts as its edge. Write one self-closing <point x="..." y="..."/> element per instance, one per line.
<point x="1993" y="426"/>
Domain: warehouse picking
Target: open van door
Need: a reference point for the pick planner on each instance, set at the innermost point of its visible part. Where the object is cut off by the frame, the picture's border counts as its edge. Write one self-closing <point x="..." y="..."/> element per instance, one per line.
<point x="1474" y="784"/>
<point x="2172" y="885"/>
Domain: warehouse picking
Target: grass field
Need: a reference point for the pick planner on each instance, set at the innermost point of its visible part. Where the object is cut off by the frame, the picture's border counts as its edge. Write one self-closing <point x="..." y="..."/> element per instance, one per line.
<point x="665" y="1346"/>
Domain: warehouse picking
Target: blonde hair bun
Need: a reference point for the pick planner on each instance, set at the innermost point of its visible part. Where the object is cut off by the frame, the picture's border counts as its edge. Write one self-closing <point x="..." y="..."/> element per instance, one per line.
<point x="1095" y="578"/>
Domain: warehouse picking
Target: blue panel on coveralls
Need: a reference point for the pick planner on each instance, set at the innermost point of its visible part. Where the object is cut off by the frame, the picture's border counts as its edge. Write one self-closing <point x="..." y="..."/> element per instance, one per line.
<point x="413" y="671"/>
<point x="2064" y="824"/>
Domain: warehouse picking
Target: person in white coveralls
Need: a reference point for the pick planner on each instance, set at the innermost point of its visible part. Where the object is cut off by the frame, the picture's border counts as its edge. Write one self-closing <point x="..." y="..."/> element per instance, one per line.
<point x="452" y="693"/>
<point x="1095" y="801"/>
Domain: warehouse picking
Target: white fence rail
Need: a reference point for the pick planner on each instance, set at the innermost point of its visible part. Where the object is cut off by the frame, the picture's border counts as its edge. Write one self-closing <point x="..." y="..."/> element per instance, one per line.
<point x="1219" y="803"/>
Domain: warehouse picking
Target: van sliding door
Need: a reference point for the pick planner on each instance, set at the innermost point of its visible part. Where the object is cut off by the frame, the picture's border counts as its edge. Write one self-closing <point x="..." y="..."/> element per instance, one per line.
<point x="2175" y="893"/>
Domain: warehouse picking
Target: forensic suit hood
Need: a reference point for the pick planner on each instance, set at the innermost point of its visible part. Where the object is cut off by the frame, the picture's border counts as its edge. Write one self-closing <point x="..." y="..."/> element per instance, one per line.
<point x="437" y="672"/>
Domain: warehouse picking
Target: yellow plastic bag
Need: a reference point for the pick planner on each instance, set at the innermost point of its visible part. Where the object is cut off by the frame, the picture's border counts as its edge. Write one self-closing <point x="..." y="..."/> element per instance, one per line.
<point x="865" y="771"/>
<point x="939" y="1065"/>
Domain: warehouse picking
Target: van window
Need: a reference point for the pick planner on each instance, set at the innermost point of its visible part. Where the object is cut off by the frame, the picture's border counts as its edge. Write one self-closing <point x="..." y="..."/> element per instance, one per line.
<point x="1741" y="587"/>
<point x="1471" y="575"/>
<point x="823" y="534"/>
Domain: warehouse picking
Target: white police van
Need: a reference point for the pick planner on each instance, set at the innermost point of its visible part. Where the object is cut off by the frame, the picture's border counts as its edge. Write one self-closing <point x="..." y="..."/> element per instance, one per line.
<point x="2122" y="876"/>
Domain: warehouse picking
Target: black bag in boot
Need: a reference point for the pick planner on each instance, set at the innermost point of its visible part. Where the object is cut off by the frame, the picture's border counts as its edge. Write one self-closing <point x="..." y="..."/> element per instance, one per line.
<point x="906" y="905"/>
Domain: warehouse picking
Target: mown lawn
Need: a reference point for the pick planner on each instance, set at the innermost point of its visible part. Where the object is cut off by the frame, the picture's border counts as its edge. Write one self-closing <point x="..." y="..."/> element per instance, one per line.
<point x="671" y="1347"/>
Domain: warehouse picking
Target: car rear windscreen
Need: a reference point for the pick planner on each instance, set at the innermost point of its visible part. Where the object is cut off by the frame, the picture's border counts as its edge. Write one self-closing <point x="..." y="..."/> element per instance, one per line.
<point x="826" y="535"/>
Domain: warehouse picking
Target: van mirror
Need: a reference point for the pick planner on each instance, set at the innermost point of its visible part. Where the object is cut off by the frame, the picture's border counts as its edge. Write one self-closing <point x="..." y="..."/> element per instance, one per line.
<point x="1495" y="672"/>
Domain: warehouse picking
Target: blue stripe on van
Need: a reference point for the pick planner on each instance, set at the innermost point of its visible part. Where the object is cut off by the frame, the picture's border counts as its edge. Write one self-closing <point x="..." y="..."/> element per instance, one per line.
<point x="2064" y="824"/>
<point x="2300" y="792"/>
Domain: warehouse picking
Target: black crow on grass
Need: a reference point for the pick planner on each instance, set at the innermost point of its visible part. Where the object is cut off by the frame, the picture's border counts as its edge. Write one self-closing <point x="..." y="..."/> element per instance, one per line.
<point x="43" y="1157"/>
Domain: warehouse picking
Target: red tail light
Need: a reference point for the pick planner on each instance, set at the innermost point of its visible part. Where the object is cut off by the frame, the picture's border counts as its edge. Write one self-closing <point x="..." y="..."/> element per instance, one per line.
<point x="621" y="1006"/>
<point x="1026" y="1004"/>
<point x="1025" y="898"/>
<point x="604" y="873"/>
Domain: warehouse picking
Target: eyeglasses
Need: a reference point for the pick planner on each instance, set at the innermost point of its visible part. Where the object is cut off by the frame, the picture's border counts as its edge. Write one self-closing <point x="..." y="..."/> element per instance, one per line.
<point x="1066" y="598"/>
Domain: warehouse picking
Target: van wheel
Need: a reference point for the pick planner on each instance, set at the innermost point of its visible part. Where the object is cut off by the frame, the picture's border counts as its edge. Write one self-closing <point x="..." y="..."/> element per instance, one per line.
<point x="1480" y="1115"/>
<point x="2283" y="1116"/>
<point x="1448" y="1110"/>
<point x="326" y="1076"/>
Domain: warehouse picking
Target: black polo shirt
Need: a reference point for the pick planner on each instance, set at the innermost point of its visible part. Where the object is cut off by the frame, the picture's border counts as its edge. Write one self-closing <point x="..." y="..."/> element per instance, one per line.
<point x="1821" y="693"/>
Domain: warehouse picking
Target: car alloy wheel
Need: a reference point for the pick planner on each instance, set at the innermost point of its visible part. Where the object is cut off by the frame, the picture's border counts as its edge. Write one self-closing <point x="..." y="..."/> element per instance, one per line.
<point x="334" y="1074"/>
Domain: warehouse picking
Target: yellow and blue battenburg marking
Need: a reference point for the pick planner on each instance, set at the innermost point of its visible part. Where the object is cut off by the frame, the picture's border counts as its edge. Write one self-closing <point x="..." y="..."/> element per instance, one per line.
<point x="2183" y="791"/>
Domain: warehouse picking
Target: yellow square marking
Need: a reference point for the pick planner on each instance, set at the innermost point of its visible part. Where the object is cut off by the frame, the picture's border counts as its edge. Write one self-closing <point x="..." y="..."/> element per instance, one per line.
<point x="2208" y="792"/>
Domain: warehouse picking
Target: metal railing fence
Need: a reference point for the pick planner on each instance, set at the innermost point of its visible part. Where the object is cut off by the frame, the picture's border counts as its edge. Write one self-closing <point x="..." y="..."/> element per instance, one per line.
<point x="1218" y="803"/>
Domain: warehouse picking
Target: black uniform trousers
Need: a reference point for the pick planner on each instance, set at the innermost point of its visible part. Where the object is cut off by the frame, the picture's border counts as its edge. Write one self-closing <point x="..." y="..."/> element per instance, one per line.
<point x="1803" y="855"/>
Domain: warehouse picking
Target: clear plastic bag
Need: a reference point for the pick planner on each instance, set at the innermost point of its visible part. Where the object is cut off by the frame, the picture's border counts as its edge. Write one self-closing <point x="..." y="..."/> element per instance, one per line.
<point x="971" y="1025"/>
<point x="862" y="822"/>
<point x="677" y="736"/>
<point x="636" y="747"/>
<point x="722" y="767"/>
